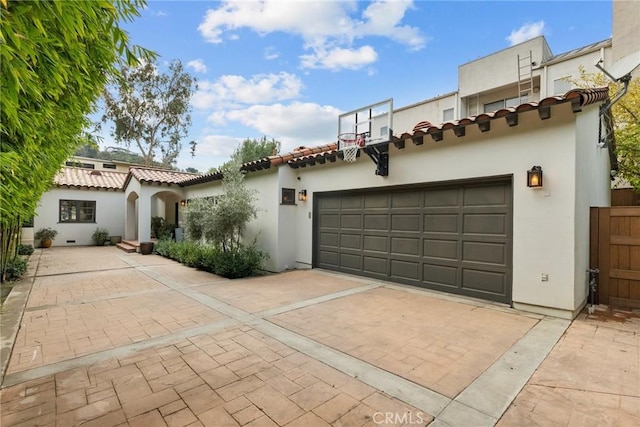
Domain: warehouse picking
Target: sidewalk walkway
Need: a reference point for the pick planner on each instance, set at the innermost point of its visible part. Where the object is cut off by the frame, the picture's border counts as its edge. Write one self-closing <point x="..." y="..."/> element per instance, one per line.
<point x="109" y="338"/>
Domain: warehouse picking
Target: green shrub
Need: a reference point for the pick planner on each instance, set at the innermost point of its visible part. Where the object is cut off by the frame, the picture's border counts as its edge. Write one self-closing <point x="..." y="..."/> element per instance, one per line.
<point x="100" y="236"/>
<point x="207" y="258"/>
<point x="162" y="247"/>
<point x="16" y="268"/>
<point x="242" y="261"/>
<point x="25" y="249"/>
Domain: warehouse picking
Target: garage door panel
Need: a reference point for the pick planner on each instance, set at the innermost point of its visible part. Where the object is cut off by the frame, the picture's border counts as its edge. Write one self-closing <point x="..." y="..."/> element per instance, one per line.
<point x="454" y="239"/>
<point x="328" y="203"/>
<point x="376" y="201"/>
<point x="403" y="222"/>
<point x="351" y="202"/>
<point x="350" y="261"/>
<point x="484" y="281"/>
<point x="485" y="196"/>
<point x="405" y="200"/>
<point x="482" y="252"/>
<point x="376" y="222"/>
<point x="441" y="198"/>
<point x="351" y="221"/>
<point x="446" y="249"/>
<point x="351" y="241"/>
<point x="329" y="239"/>
<point x="405" y="269"/>
<point x="375" y="243"/>
<point x="441" y="223"/>
<point x="330" y="258"/>
<point x="405" y="246"/>
<point x="485" y="224"/>
<point x="440" y="274"/>
<point x="376" y="265"/>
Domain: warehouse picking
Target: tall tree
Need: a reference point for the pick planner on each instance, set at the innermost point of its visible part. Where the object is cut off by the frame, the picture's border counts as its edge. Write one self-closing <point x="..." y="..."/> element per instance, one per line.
<point x="55" y="59"/>
<point x="151" y="109"/>
<point x="253" y="149"/>
<point x="626" y="116"/>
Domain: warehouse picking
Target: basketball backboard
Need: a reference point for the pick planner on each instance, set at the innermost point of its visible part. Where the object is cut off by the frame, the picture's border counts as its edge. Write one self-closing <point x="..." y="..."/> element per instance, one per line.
<point x="373" y="123"/>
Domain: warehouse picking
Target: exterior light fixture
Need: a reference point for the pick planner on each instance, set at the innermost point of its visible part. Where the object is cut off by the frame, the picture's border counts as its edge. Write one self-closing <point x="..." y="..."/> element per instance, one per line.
<point x="534" y="177"/>
<point x="302" y="195"/>
<point x="183" y="203"/>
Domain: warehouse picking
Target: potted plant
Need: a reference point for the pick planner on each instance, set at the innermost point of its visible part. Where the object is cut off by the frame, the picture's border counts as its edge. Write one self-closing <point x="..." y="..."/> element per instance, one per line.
<point x="100" y="236"/>
<point x="45" y="236"/>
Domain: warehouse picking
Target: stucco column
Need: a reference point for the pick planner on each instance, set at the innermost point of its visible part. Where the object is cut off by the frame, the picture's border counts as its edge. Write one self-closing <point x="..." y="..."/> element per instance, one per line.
<point x="144" y="218"/>
<point x="130" y="218"/>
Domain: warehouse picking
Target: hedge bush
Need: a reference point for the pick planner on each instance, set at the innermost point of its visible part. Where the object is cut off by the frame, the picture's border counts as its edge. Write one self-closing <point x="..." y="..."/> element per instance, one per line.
<point x="15" y="268"/>
<point x="240" y="262"/>
<point x="25" y="249"/>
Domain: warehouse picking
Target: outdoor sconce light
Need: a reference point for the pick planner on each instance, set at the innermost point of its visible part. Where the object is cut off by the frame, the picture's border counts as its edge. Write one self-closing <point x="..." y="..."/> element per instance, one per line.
<point x="302" y="195"/>
<point x="183" y="203"/>
<point x="534" y="177"/>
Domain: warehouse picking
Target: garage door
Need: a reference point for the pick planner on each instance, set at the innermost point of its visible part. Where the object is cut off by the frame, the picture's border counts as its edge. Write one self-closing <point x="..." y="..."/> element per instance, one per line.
<point x="452" y="239"/>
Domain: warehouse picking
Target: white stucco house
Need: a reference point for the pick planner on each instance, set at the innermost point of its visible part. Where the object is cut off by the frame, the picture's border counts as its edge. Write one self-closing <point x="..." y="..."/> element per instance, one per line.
<point x="454" y="213"/>
<point x="451" y="207"/>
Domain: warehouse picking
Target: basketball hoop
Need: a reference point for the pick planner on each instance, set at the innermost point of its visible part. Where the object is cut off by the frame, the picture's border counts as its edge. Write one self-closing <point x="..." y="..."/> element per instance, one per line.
<point x="349" y="145"/>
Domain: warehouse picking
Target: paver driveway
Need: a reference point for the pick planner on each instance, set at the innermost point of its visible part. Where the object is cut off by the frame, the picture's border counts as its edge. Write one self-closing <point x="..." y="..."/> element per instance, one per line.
<point x="109" y="338"/>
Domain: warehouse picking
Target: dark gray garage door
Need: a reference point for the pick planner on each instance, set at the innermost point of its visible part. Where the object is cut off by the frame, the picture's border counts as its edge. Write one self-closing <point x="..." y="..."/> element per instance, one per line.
<point x="452" y="239"/>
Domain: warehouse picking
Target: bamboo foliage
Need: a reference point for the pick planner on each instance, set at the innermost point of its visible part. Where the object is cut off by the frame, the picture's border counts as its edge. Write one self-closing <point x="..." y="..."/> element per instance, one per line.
<point x="55" y="59"/>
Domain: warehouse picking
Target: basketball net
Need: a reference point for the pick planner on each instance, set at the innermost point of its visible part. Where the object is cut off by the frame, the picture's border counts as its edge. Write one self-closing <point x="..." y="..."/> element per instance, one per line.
<point x="350" y="143"/>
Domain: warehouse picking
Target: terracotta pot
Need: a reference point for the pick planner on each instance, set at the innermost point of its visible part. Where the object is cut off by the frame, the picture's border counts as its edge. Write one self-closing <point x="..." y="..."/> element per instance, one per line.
<point x="46" y="243"/>
<point x="146" y="248"/>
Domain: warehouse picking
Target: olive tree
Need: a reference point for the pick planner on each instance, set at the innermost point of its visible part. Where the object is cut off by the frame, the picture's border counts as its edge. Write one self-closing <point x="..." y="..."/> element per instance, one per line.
<point x="222" y="220"/>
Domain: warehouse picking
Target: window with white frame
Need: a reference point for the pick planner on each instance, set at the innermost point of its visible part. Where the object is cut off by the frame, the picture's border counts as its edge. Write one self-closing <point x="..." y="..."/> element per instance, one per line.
<point x="561" y="85"/>
<point x="77" y="211"/>
<point x="493" y="106"/>
<point x="447" y="115"/>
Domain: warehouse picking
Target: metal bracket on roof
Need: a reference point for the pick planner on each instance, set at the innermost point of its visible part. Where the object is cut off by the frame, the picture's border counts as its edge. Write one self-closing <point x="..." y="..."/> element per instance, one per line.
<point x="380" y="155"/>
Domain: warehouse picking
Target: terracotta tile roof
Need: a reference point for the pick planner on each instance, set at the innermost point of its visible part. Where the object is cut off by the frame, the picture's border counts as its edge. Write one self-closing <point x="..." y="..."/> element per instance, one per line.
<point x="309" y="156"/>
<point x="578" y="98"/>
<point x="90" y="179"/>
<point x="160" y="176"/>
<point x="300" y="156"/>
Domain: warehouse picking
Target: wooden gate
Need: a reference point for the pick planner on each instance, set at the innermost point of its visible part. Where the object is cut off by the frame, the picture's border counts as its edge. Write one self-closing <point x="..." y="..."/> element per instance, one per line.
<point x="615" y="251"/>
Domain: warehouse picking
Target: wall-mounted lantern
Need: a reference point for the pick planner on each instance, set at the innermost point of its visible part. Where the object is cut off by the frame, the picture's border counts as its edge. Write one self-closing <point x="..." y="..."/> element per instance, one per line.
<point x="183" y="203"/>
<point x="534" y="177"/>
<point x="302" y="195"/>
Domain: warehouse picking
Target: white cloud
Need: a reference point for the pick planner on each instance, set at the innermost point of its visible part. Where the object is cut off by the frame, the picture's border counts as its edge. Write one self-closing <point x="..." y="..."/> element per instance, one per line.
<point x="338" y="58"/>
<point x="238" y="90"/>
<point x="293" y="125"/>
<point x="526" y="32"/>
<point x="271" y="53"/>
<point x="212" y="151"/>
<point x="217" y="145"/>
<point x="198" y="65"/>
<point x="382" y="18"/>
<point x="328" y="28"/>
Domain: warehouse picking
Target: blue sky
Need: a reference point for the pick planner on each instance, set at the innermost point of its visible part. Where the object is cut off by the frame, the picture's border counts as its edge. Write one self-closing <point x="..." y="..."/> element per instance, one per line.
<point x="286" y="69"/>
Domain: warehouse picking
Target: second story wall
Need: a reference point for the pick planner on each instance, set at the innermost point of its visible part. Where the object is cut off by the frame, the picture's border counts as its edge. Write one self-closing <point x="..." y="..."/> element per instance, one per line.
<point x="500" y="68"/>
<point x="436" y="111"/>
